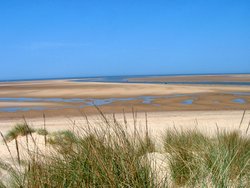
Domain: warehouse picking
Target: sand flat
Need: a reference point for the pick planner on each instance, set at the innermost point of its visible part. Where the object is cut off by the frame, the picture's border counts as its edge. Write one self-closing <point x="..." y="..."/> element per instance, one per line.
<point x="70" y="89"/>
<point x="196" y="78"/>
<point x="206" y="97"/>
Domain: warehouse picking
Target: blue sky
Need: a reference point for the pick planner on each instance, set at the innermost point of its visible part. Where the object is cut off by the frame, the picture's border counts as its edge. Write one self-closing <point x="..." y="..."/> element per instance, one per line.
<point x="57" y="38"/>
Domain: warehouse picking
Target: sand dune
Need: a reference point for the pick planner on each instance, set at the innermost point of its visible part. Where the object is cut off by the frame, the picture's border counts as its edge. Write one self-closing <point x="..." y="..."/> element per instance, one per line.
<point x="208" y="122"/>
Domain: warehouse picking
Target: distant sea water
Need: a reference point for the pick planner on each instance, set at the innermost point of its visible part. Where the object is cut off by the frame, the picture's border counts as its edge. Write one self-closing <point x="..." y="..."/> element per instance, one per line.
<point x="126" y="79"/>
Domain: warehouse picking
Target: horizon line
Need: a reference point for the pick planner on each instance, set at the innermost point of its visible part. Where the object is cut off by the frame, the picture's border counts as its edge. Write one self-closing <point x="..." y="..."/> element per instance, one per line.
<point x="122" y="75"/>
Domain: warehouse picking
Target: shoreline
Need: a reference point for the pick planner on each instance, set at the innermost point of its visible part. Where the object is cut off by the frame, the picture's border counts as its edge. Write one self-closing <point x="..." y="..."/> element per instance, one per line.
<point x="132" y="76"/>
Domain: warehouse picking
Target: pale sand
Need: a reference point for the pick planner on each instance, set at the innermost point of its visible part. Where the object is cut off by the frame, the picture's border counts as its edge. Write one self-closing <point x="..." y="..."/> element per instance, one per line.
<point x="158" y="121"/>
<point x="68" y="89"/>
<point x="196" y="78"/>
<point x="29" y="104"/>
<point x="208" y="122"/>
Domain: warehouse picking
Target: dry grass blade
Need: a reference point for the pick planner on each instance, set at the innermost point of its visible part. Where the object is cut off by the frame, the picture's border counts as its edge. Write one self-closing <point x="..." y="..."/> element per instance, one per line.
<point x="248" y="127"/>
<point x="242" y="118"/>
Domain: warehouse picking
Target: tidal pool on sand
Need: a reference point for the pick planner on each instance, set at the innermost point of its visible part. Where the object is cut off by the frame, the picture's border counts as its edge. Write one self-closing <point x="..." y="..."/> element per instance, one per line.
<point x="241" y="101"/>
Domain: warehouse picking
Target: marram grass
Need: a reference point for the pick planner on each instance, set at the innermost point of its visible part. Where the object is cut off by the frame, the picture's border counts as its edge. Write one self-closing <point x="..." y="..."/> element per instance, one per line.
<point x="111" y="156"/>
<point x="221" y="161"/>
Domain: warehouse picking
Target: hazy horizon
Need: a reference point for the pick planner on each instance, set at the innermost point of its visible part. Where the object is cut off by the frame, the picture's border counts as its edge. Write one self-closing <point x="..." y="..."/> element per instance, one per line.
<point x="129" y="75"/>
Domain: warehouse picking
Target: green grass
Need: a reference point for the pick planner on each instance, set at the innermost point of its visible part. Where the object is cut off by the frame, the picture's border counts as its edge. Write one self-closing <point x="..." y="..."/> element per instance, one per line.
<point x="111" y="156"/>
<point x="19" y="130"/>
<point x="42" y="132"/>
<point x="223" y="160"/>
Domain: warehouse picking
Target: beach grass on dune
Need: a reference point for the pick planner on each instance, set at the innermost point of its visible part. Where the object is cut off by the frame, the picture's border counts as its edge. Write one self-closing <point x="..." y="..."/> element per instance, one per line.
<point x="111" y="156"/>
<point x="222" y="160"/>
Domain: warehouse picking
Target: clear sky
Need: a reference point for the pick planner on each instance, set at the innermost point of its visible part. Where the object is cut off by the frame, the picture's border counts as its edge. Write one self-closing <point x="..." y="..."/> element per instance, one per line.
<point x="70" y="38"/>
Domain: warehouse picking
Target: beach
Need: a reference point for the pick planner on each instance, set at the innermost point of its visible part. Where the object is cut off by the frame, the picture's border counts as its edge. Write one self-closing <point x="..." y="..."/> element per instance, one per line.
<point x="207" y="108"/>
<point x="66" y="103"/>
<point x="58" y="98"/>
<point x="125" y="94"/>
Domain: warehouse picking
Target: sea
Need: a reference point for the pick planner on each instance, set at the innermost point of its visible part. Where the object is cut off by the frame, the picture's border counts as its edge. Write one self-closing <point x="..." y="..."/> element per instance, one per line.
<point x="126" y="79"/>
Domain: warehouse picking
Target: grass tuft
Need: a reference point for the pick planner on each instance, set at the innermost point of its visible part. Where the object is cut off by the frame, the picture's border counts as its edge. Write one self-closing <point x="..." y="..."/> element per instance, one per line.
<point x="42" y="132"/>
<point x="223" y="160"/>
<point x="19" y="130"/>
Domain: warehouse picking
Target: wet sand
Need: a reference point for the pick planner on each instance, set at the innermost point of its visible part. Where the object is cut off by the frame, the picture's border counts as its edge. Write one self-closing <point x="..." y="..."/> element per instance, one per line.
<point x="205" y="97"/>
<point x="158" y="105"/>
